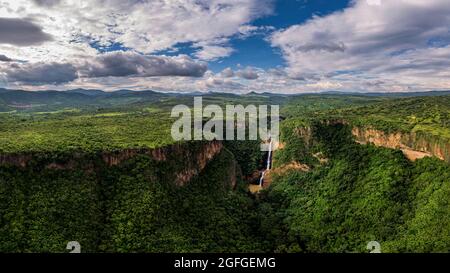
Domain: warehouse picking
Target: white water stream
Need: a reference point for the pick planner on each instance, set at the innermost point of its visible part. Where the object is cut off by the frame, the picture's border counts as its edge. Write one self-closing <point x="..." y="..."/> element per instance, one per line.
<point x="269" y="160"/>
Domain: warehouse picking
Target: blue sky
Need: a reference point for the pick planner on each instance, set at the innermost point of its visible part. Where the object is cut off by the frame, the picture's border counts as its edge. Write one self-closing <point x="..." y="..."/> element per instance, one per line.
<point x="256" y="51"/>
<point x="238" y="46"/>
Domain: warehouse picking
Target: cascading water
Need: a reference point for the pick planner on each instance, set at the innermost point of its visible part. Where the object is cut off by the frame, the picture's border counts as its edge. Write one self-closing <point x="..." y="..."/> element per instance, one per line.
<point x="269" y="160"/>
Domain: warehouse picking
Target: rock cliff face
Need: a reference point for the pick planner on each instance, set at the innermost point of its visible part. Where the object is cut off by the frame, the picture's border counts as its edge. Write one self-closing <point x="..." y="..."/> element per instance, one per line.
<point x="194" y="163"/>
<point x="413" y="145"/>
<point x="306" y="134"/>
<point x="19" y="160"/>
<point x="190" y="161"/>
<point x="206" y="153"/>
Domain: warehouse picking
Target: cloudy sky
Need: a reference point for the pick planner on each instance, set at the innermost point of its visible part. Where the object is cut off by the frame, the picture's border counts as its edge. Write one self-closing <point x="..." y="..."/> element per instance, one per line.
<point x="280" y="46"/>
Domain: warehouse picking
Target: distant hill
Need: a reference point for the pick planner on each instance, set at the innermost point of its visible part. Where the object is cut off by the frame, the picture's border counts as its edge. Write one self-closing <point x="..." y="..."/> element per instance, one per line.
<point x="89" y="92"/>
<point x="35" y="101"/>
<point x="391" y="94"/>
<point x="32" y="101"/>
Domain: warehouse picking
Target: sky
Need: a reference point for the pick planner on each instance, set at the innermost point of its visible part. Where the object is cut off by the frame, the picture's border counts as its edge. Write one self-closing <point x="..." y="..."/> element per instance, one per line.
<point x="235" y="46"/>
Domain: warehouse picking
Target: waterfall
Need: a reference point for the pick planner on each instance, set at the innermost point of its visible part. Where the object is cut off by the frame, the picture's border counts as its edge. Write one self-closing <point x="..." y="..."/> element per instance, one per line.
<point x="262" y="179"/>
<point x="269" y="160"/>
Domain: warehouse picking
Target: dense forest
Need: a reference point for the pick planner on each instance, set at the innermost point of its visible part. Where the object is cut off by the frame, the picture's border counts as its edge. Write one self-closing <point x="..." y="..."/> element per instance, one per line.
<point x="133" y="207"/>
<point x="363" y="193"/>
<point x="349" y="195"/>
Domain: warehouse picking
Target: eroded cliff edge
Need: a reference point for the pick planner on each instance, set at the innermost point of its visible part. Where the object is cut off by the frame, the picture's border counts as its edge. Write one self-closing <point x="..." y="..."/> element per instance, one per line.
<point x="414" y="145"/>
<point x="116" y="201"/>
<point x="184" y="160"/>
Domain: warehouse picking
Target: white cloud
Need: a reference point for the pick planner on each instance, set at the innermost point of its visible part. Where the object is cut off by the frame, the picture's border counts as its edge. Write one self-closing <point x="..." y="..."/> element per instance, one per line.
<point x="373" y="45"/>
<point x="248" y="73"/>
<point x="227" y="72"/>
<point x="41" y="73"/>
<point x="402" y="42"/>
<point x="373" y="2"/>
<point x="4" y="58"/>
<point x="112" y="64"/>
<point x="145" y="26"/>
<point x="64" y="30"/>
<point x="20" y="32"/>
<point x="121" y="64"/>
<point x="211" y="52"/>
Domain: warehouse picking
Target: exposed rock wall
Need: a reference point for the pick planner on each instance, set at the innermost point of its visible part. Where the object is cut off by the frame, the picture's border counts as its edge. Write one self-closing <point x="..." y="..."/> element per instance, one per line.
<point x="191" y="161"/>
<point x="413" y="145"/>
<point x="19" y="160"/>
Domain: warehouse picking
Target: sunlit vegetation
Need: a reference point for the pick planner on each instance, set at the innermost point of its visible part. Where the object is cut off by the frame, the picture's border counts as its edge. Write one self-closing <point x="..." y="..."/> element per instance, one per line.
<point x="133" y="207"/>
<point x="360" y="193"/>
<point x="427" y="114"/>
<point x="84" y="131"/>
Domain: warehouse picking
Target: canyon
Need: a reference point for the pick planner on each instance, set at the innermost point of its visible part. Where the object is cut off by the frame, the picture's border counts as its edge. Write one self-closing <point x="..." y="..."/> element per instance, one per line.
<point x="413" y="145"/>
<point x="193" y="158"/>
